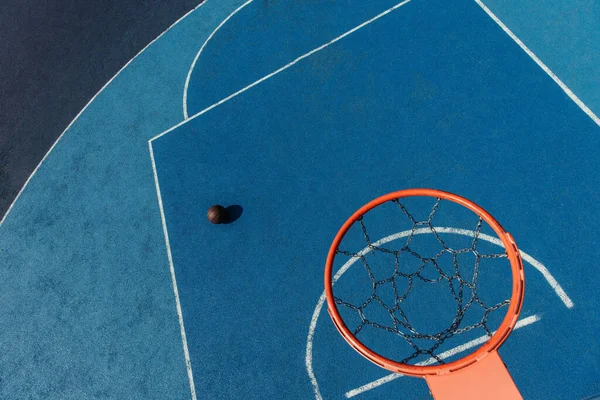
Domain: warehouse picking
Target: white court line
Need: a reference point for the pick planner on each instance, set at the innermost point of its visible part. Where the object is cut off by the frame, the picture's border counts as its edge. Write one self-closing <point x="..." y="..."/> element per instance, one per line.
<point x="189" y="75"/>
<point x="165" y="231"/>
<point x="87" y="105"/>
<point x="539" y="62"/>
<point x="186" y="353"/>
<point x="549" y="278"/>
<point x="459" y="349"/>
<point x="562" y="295"/>
<point x="320" y="303"/>
<point x="264" y="78"/>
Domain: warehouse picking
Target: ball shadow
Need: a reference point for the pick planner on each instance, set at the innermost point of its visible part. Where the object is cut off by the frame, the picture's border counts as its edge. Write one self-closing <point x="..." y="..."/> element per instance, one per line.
<point x="234" y="212"/>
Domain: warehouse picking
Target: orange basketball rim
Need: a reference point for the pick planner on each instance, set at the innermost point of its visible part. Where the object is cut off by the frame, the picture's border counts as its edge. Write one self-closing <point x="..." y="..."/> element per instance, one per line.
<point x="480" y="374"/>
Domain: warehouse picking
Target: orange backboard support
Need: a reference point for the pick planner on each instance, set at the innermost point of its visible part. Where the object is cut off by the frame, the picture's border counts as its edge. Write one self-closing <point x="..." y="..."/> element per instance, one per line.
<point x="487" y="379"/>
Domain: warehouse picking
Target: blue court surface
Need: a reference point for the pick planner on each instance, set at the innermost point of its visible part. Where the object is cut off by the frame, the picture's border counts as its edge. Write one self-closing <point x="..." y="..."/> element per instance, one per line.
<point x="295" y="115"/>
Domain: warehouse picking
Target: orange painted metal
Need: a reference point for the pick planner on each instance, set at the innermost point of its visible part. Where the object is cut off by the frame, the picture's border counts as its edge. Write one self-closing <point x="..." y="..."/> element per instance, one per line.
<point x="487" y="379"/>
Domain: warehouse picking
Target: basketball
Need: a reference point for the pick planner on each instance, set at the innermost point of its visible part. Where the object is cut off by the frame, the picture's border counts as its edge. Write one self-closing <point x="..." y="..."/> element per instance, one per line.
<point x="217" y="214"/>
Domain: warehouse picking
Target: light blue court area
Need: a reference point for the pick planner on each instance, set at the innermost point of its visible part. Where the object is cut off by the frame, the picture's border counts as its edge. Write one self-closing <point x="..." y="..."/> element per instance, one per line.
<point x="425" y="94"/>
<point x="86" y="297"/>
<point x="115" y="285"/>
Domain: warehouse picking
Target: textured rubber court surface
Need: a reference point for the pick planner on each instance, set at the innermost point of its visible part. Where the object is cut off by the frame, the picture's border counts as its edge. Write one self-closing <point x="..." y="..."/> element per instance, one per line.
<point x="54" y="56"/>
<point x="116" y="286"/>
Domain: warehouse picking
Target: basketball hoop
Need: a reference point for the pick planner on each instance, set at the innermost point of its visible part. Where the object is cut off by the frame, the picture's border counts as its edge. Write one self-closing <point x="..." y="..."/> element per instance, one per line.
<point x="480" y="374"/>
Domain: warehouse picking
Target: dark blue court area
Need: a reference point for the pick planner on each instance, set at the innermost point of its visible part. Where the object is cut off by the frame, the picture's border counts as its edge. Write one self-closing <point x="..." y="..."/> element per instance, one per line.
<point x="432" y="94"/>
<point x="296" y="114"/>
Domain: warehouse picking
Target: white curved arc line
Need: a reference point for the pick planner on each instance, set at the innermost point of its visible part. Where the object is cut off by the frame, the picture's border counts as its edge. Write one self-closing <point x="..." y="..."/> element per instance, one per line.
<point x="279" y="70"/>
<point x="526" y="257"/>
<point x="189" y="75"/>
<point x="465" y="232"/>
<point x="90" y="102"/>
<point x="309" y="344"/>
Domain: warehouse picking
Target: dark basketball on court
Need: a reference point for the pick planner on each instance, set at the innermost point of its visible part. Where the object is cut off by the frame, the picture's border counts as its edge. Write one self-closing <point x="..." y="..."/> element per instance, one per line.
<point x="217" y="214"/>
